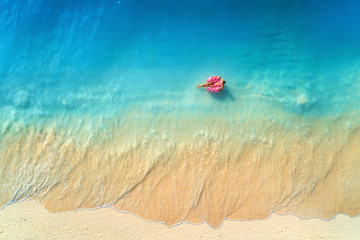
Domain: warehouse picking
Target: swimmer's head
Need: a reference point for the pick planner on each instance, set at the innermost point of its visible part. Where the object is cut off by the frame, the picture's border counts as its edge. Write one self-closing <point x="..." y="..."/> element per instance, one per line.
<point x="224" y="82"/>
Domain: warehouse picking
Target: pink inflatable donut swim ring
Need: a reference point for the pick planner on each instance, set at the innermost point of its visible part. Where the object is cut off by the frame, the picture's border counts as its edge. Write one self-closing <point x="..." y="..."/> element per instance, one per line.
<point x="217" y="80"/>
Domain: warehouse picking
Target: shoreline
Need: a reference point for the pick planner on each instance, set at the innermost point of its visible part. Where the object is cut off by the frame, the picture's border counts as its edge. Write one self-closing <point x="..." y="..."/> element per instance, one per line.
<point x="30" y="220"/>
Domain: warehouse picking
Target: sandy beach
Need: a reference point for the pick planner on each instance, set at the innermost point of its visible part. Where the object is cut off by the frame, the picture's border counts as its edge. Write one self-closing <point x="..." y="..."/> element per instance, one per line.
<point x="30" y="220"/>
<point x="104" y="133"/>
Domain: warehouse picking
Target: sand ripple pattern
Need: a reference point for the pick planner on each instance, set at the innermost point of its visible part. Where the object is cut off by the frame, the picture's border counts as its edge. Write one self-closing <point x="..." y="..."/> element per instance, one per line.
<point x="220" y="168"/>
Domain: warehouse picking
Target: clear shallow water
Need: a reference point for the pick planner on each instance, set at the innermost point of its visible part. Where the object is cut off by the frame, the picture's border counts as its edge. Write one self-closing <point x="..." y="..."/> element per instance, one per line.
<point x="110" y="87"/>
<point x="105" y="54"/>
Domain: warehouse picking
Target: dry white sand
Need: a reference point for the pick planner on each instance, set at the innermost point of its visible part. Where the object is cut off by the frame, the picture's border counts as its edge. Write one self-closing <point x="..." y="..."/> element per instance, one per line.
<point x="30" y="220"/>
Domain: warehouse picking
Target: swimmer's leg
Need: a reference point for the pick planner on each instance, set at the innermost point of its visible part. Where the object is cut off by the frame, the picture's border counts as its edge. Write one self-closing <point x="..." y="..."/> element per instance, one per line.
<point x="206" y="85"/>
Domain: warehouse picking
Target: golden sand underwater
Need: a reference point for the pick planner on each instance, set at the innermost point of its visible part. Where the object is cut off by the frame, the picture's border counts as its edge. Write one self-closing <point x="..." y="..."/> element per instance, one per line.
<point x="172" y="168"/>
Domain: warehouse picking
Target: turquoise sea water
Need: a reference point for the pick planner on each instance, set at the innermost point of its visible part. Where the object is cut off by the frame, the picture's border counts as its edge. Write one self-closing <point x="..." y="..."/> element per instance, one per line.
<point x="91" y="56"/>
<point x="95" y="72"/>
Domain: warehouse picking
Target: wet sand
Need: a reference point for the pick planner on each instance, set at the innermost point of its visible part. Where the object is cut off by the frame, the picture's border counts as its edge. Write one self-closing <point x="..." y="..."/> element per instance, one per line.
<point x="30" y="220"/>
<point x="201" y="174"/>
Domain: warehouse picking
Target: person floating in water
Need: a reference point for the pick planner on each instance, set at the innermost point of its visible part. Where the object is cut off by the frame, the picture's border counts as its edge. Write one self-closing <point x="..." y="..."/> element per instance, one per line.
<point x="214" y="84"/>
